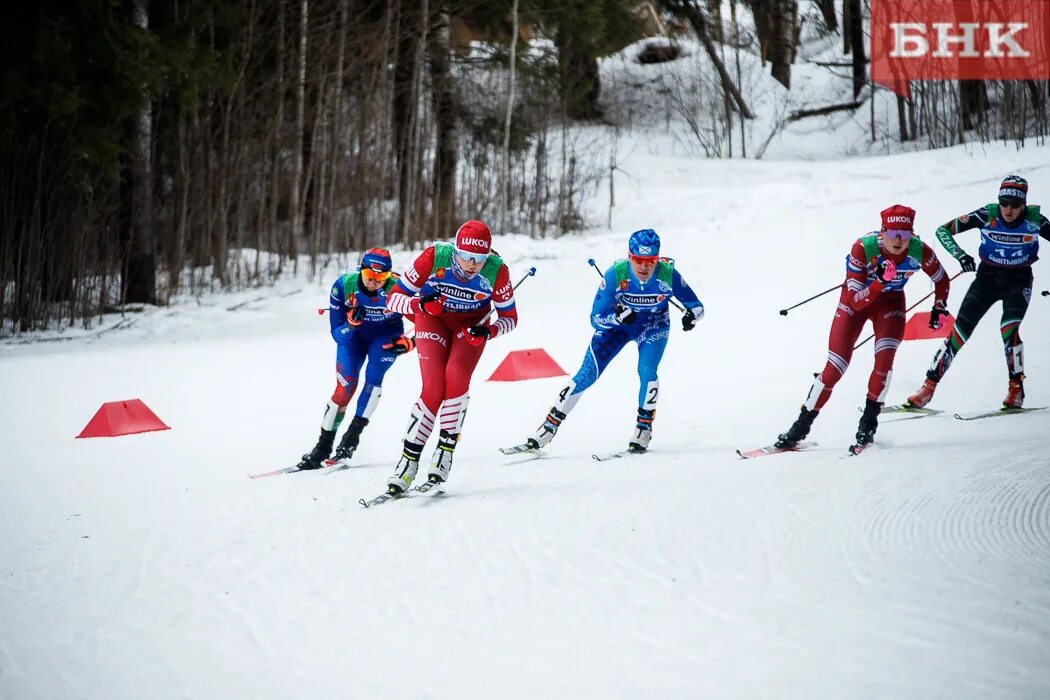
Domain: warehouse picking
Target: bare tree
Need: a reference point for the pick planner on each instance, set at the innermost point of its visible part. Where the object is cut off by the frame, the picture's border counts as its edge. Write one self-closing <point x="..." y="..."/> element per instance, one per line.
<point x="140" y="280"/>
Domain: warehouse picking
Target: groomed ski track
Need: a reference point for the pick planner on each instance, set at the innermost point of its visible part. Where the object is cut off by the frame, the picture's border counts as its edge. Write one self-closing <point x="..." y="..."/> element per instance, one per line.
<point x="149" y="566"/>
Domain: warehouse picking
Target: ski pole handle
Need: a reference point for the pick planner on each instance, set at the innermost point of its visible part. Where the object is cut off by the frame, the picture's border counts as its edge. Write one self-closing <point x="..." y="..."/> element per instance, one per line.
<point x="784" y="312"/>
<point x="590" y="261"/>
<point x="1045" y="293"/>
<point x="907" y="310"/>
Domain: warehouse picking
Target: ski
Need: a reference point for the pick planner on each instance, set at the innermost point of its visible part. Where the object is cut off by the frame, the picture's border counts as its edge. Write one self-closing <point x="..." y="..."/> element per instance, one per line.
<point x="427" y="488"/>
<point x="381" y="499"/>
<point x="999" y="412"/>
<point x="329" y="466"/>
<point x="908" y="412"/>
<point x="519" y="449"/>
<point x="773" y="449"/>
<point x="615" y="455"/>
<point x="857" y="448"/>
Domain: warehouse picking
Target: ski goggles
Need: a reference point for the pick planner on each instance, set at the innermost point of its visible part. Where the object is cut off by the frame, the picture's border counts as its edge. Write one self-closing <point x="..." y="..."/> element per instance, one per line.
<point x="898" y="234"/>
<point x="644" y="259"/>
<point x="478" y="258"/>
<point x="370" y="275"/>
<point x="1006" y="203"/>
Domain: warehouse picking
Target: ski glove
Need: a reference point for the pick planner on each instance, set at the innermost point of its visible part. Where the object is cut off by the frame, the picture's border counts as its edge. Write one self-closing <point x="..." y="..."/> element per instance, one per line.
<point x="886" y="271"/>
<point x="967" y="262"/>
<point x="401" y="344"/>
<point x="624" y="314"/>
<point x="475" y="335"/>
<point x="936" y="312"/>
<point x="355" y="315"/>
<point x="429" y="304"/>
<point x="691" y="316"/>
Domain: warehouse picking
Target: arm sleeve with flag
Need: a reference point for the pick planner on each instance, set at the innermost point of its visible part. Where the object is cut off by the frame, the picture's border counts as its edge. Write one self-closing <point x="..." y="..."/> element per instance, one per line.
<point x="603" y="315"/>
<point x="932" y="267"/>
<point x="503" y="300"/>
<point x="946" y="233"/>
<point x="683" y="292"/>
<point x="857" y="292"/>
<point x="408" y="285"/>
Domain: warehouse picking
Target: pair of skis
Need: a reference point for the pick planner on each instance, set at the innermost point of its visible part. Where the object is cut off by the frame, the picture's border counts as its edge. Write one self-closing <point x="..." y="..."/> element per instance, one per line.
<point x="537" y="453"/>
<point x="327" y="467"/>
<point x="428" y="488"/>
<point x="857" y="448"/>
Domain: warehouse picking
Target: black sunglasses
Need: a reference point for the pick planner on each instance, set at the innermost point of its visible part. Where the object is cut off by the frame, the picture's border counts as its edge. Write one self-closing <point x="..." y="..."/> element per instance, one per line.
<point x="1011" y="203"/>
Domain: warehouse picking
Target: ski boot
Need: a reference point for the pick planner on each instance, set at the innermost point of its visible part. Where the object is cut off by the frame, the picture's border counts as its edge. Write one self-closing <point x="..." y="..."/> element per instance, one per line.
<point x="350" y="440"/>
<point x="546" y="431"/>
<point x="1015" y="393"/>
<point x="643" y="431"/>
<point x="923" y="396"/>
<point x="798" y="430"/>
<point x="406" y="469"/>
<point x="441" y="465"/>
<point x="869" y="422"/>
<point x="316" y="457"/>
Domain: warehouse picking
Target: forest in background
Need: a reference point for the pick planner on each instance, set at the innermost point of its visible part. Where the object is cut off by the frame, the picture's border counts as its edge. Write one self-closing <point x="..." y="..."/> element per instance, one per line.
<point x="156" y="147"/>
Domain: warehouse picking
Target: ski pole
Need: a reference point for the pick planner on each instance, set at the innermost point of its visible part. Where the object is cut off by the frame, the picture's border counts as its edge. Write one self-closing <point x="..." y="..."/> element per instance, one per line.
<point x="1045" y="293"/>
<point x="590" y="261"/>
<point x="530" y="273"/>
<point x="906" y="310"/>
<point x="784" y="312"/>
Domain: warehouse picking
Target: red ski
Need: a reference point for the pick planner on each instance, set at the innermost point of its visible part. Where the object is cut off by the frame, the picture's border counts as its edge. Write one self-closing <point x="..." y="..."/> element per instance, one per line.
<point x="772" y="450"/>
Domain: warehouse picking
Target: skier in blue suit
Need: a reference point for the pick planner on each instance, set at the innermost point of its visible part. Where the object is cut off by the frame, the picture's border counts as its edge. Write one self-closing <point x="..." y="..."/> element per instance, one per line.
<point x="362" y="328"/>
<point x="631" y="305"/>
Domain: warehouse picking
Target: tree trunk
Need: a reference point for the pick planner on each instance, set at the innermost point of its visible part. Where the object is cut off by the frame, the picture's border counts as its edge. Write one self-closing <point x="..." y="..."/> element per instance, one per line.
<point x="140" y="278"/>
<point x="827" y="8"/>
<point x="714" y="19"/>
<point x="860" y="76"/>
<point x="762" y="12"/>
<point x="404" y="109"/>
<point x="782" y="41"/>
<point x="902" y="118"/>
<point x="505" y="184"/>
<point x="696" y="19"/>
<point x="973" y="103"/>
<point x="578" y="68"/>
<point x="295" y="233"/>
<point x="447" y="147"/>
<point x="847" y="26"/>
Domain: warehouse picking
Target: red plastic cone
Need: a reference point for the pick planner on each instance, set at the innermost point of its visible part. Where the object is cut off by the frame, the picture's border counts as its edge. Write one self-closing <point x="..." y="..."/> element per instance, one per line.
<point x="526" y="364"/>
<point x="122" y="418"/>
<point x="918" y="327"/>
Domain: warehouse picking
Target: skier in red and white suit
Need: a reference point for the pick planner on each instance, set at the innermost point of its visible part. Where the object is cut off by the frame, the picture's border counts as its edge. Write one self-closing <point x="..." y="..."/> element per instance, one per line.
<point x="877" y="268"/>
<point x="450" y="289"/>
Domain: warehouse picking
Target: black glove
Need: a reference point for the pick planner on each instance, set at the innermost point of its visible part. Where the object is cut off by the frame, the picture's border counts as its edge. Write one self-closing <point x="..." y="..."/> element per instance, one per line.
<point x="355" y="315"/>
<point x="967" y="263"/>
<point x="690" y="317"/>
<point x="885" y="271"/>
<point x="625" y="314"/>
<point x="401" y="344"/>
<point x="938" y="310"/>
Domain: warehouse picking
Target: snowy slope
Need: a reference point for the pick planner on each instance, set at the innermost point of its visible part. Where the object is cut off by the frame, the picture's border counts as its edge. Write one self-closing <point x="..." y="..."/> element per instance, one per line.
<point x="150" y="566"/>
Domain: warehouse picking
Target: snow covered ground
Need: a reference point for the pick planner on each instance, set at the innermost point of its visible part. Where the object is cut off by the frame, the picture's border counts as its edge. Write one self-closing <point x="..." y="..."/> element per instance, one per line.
<point x="150" y="566"/>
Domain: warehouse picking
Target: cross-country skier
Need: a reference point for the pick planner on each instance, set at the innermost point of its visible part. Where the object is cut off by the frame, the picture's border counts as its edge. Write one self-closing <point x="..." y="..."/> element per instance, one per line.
<point x="631" y="305"/>
<point x="1010" y="232"/>
<point x="877" y="268"/>
<point x="362" y="328"/>
<point x="451" y="289"/>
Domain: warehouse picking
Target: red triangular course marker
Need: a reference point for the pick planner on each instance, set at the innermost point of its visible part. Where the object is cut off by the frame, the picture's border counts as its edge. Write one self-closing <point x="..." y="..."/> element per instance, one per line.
<point x="122" y="418"/>
<point x="918" y="327"/>
<point x="527" y="364"/>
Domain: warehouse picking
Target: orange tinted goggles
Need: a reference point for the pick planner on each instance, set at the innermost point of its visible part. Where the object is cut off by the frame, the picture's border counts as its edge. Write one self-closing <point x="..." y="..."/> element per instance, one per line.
<point x="644" y="259"/>
<point x="370" y="275"/>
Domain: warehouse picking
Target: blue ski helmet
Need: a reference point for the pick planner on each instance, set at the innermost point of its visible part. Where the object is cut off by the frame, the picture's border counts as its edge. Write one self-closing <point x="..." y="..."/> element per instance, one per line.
<point x="377" y="260"/>
<point x="644" y="243"/>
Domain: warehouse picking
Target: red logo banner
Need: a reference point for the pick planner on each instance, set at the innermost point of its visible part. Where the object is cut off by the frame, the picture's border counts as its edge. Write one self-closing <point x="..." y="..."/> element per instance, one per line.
<point x="958" y="40"/>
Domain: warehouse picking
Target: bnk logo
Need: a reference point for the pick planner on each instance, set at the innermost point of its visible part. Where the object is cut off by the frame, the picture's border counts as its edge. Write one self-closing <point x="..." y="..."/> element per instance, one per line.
<point x="958" y="40"/>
